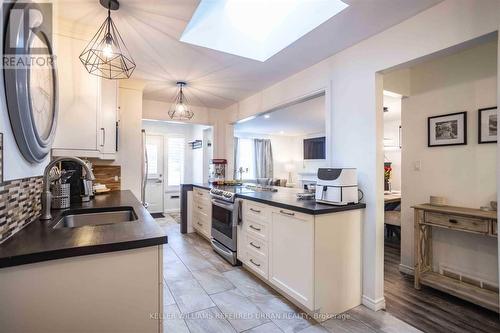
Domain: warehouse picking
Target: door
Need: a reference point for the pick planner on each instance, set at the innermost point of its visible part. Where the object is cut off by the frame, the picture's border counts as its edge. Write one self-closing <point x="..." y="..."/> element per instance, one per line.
<point x="78" y="99"/>
<point x="107" y="116"/>
<point x="154" y="182"/>
<point x="291" y="255"/>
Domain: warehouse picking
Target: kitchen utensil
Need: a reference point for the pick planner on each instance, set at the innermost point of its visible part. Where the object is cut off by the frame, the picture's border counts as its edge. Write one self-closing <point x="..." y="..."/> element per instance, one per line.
<point x="54" y="174"/>
<point x="66" y="175"/>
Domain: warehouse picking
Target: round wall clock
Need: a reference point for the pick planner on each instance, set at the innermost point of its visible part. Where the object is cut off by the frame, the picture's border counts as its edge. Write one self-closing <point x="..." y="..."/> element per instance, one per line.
<point x="30" y="85"/>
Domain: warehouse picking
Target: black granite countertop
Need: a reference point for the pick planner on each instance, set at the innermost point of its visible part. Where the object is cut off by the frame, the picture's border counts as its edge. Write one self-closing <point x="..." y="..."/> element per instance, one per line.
<point x="285" y="198"/>
<point x="38" y="241"/>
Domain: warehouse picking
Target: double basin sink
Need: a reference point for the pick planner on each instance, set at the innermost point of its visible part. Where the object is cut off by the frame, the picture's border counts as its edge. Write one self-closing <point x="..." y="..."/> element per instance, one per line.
<point x="76" y="218"/>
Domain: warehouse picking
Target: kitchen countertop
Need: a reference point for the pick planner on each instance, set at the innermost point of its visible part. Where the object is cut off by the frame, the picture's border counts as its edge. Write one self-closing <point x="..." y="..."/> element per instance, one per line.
<point x="285" y="198"/>
<point x="38" y="241"/>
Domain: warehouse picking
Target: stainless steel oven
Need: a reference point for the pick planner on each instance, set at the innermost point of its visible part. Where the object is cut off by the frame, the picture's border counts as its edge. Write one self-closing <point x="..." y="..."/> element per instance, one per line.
<point x="226" y="213"/>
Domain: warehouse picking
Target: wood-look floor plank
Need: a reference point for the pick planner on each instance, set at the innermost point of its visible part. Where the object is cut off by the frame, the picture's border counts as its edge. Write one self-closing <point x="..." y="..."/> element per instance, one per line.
<point x="431" y="310"/>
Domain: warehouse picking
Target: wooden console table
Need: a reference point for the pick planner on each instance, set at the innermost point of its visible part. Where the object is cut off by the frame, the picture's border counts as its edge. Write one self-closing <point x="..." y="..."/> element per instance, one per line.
<point x="455" y="218"/>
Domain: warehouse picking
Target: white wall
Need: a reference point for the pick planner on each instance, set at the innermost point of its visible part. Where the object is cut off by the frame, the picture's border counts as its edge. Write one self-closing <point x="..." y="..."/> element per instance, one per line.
<point x="203" y="116"/>
<point x="465" y="175"/>
<point x="392" y="121"/>
<point x="354" y="98"/>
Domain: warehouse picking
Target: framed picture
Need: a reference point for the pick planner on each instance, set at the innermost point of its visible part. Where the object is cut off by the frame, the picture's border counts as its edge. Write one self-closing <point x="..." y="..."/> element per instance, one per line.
<point x="487" y="123"/>
<point x="447" y="130"/>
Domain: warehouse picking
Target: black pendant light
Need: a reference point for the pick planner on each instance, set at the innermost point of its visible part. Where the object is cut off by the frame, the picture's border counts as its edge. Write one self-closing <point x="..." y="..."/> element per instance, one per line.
<point x="180" y="109"/>
<point x="107" y="55"/>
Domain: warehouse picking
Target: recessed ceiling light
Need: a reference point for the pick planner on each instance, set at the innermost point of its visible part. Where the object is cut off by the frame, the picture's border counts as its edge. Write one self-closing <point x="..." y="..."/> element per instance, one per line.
<point x="267" y="116"/>
<point x="256" y="29"/>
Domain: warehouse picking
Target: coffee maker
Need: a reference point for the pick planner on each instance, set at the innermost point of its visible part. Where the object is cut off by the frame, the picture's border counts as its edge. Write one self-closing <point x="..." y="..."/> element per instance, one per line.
<point x="81" y="189"/>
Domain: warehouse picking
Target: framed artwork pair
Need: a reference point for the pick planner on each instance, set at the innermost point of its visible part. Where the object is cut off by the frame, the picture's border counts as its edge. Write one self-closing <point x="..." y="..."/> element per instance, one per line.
<point x="451" y="129"/>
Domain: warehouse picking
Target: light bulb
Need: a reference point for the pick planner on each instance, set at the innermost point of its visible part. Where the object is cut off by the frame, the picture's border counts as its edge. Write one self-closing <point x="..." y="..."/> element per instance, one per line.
<point x="107" y="51"/>
<point x="181" y="108"/>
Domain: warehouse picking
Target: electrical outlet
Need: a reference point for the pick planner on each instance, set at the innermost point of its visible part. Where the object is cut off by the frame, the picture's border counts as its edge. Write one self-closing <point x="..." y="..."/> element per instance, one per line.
<point x="417" y="165"/>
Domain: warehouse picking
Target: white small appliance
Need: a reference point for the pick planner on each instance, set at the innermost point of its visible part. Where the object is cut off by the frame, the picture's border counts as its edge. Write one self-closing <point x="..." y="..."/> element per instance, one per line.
<point x="337" y="186"/>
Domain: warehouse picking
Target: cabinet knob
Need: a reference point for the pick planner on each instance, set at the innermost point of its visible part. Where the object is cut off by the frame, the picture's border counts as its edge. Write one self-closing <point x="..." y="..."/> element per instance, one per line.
<point x="257" y="247"/>
<point x="253" y="262"/>
<point x="254" y="228"/>
<point x="287" y="213"/>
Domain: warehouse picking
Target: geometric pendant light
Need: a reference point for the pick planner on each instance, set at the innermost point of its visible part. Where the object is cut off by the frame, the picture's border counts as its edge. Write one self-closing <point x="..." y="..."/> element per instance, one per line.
<point x="180" y="109"/>
<point x="107" y="55"/>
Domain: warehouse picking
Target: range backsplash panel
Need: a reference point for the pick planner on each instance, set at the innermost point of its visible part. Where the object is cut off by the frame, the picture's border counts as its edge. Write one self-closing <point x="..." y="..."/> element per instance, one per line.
<point x="19" y="204"/>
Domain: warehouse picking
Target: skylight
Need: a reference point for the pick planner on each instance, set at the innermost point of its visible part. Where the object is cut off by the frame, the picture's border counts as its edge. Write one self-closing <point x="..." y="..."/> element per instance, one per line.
<point x="256" y="29"/>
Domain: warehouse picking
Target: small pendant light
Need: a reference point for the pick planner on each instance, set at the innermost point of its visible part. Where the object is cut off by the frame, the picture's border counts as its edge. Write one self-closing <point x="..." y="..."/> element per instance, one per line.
<point x="180" y="109"/>
<point x="107" y="55"/>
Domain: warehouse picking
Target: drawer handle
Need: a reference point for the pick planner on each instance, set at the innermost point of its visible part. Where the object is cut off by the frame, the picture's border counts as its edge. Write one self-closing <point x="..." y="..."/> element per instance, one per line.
<point x="453" y="221"/>
<point x="255" y="210"/>
<point x="199" y="224"/>
<point x="199" y="193"/>
<point x="287" y="213"/>
<point x="253" y="262"/>
<point x="257" y="247"/>
<point x="200" y="208"/>
<point x="254" y="228"/>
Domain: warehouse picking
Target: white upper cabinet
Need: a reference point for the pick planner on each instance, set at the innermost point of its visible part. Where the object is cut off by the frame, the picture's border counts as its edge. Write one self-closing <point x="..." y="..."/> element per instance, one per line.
<point x="87" y="106"/>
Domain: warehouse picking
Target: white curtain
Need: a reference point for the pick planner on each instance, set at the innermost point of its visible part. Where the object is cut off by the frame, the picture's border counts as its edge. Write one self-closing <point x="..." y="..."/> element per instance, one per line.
<point x="263" y="158"/>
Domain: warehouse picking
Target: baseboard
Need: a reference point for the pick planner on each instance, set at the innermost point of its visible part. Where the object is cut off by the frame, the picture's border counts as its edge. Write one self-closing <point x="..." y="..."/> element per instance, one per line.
<point x="172" y="211"/>
<point x="406" y="269"/>
<point x="374" y="305"/>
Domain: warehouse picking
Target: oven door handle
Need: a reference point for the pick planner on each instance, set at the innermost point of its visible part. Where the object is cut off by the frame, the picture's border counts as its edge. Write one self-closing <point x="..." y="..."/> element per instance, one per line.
<point x="222" y="205"/>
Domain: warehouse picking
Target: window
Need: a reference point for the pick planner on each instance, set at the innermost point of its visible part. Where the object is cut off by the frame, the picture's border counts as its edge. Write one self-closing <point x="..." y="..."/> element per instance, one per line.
<point x="246" y="158"/>
<point x="256" y="29"/>
<point x="175" y="161"/>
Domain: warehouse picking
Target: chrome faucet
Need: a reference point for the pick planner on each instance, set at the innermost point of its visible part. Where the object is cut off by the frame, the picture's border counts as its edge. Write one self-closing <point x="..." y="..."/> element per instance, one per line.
<point x="46" y="194"/>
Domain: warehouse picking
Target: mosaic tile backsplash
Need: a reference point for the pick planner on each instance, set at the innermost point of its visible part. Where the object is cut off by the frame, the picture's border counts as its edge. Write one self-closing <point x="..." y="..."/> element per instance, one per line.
<point x="19" y="204"/>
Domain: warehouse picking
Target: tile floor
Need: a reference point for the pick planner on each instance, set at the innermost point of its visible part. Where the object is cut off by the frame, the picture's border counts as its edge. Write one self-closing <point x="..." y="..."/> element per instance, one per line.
<point x="205" y="294"/>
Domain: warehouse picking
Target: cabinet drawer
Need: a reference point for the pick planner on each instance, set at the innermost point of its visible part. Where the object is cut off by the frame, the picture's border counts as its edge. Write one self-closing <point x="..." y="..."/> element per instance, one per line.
<point x="256" y="229"/>
<point x="201" y="195"/>
<point x="202" y="216"/>
<point x="257" y="263"/>
<point x="457" y="222"/>
<point x="256" y="211"/>
<point x="198" y="222"/>
<point x="202" y="207"/>
<point x="256" y="245"/>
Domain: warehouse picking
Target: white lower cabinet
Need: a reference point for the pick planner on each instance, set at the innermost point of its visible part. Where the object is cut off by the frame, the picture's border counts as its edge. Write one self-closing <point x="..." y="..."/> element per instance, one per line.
<point x="105" y="292"/>
<point x="291" y="255"/>
<point x="313" y="260"/>
<point x="202" y="212"/>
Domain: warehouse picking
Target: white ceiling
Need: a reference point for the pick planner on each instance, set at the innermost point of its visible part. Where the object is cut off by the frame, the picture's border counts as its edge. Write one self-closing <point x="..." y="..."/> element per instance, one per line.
<point x="151" y="30"/>
<point x="299" y="119"/>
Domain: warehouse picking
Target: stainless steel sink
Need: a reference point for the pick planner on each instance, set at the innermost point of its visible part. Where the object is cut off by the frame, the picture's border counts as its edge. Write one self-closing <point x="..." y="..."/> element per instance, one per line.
<point x="87" y="217"/>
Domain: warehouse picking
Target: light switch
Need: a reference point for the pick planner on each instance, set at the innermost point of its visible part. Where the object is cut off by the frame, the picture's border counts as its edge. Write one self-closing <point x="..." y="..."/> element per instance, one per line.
<point x="417" y="165"/>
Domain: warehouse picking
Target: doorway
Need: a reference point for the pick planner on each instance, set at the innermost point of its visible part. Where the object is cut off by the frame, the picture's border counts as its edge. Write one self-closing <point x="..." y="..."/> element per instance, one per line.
<point x="445" y="159"/>
<point x="154" y="181"/>
<point x="178" y="153"/>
